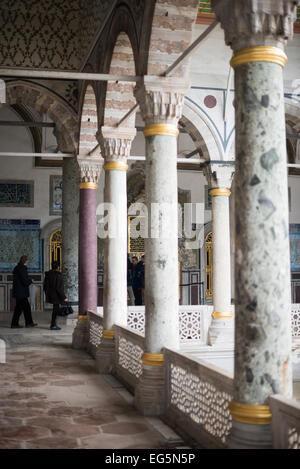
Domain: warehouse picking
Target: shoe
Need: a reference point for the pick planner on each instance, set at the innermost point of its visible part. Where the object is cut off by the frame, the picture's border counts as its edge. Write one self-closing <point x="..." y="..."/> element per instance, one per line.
<point x="55" y="328"/>
<point x="16" y="326"/>
<point x="33" y="324"/>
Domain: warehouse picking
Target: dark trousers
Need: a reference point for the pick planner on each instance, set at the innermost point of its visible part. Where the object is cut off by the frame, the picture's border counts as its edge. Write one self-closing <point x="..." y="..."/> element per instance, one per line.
<point x="22" y="306"/>
<point x="54" y="314"/>
<point x="138" y="296"/>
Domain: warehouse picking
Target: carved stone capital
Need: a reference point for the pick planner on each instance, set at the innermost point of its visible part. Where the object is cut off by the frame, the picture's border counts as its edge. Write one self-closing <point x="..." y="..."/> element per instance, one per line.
<point x="161" y="99"/>
<point x="116" y="142"/>
<point x="219" y="175"/>
<point x="256" y="22"/>
<point x="89" y="168"/>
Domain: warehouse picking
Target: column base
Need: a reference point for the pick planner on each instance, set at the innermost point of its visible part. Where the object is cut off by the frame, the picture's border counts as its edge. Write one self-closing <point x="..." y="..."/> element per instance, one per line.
<point x="105" y="356"/>
<point x="221" y="332"/>
<point x="80" y="338"/>
<point x="249" y="436"/>
<point x="149" y="396"/>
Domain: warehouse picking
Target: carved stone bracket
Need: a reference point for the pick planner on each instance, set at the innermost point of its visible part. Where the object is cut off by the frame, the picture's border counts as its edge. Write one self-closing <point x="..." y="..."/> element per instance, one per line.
<point x="161" y="99"/>
<point x="219" y="175"/>
<point x="256" y="22"/>
<point x="90" y="169"/>
<point x="116" y="142"/>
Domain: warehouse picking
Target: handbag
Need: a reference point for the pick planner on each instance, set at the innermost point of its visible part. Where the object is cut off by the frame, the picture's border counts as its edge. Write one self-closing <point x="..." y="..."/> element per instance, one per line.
<point x="65" y="310"/>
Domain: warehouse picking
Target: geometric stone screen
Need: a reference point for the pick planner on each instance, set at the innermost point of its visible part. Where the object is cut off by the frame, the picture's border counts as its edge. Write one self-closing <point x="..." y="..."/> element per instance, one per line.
<point x="17" y="238"/>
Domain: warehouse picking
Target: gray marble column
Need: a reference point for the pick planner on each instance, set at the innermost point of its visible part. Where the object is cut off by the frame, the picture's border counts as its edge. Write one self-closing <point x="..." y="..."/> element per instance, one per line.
<point x="221" y="330"/>
<point x="115" y="148"/>
<point x="262" y="266"/>
<point x="70" y="228"/>
<point x="161" y="102"/>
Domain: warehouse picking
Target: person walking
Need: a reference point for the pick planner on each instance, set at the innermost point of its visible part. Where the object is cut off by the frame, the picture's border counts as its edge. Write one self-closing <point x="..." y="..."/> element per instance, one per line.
<point x="130" y="293"/>
<point x="141" y="266"/>
<point x="21" y="282"/>
<point x="54" y="290"/>
<point x="136" y="282"/>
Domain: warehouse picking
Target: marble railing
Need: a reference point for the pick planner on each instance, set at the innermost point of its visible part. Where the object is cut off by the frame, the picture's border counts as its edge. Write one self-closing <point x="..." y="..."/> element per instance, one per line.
<point x="129" y="349"/>
<point x="194" y="322"/>
<point x="295" y="318"/>
<point x="197" y="399"/>
<point x="285" y="422"/>
<point x="95" y="329"/>
<point x="197" y="394"/>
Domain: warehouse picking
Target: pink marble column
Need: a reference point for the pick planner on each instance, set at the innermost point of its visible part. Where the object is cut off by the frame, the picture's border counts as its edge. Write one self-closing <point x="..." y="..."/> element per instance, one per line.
<point x="87" y="249"/>
<point x="87" y="271"/>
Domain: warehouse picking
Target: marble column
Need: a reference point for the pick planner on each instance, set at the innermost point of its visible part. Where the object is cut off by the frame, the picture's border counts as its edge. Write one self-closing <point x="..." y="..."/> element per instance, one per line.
<point x="221" y="330"/>
<point x="161" y="102"/>
<point x="70" y="229"/>
<point x="257" y="32"/>
<point x="89" y="175"/>
<point x="115" y="148"/>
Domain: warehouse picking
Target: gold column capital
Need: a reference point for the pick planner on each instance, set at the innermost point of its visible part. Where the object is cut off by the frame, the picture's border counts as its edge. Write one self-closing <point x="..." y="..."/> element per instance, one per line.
<point x="220" y="191"/>
<point x="153" y="359"/>
<point x="259" y="54"/>
<point x="161" y="129"/>
<point x="218" y="315"/>
<point x="108" y="334"/>
<point x="251" y="414"/>
<point x="82" y="318"/>
<point x="115" y="165"/>
<point x="88" y="185"/>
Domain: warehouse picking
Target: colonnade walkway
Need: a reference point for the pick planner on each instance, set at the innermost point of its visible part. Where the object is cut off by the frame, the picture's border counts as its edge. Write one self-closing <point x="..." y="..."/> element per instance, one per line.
<point x="51" y="396"/>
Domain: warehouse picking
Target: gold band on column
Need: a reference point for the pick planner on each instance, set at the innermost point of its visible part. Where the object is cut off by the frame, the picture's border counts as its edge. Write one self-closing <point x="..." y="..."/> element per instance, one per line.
<point x="252" y="414"/>
<point x="108" y="334"/>
<point x="217" y="315"/>
<point x="88" y="185"/>
<point x="220" y="191"/>
<point x="161" y="129"/>
<point x="259" y="54"/>
<point x="115" y="165"/>
<point x="82" y="317"/>
<point x="153" y="359"/>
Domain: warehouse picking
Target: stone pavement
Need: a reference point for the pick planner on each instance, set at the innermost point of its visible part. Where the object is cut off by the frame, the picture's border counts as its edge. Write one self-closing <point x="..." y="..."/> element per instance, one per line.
<point x="51" y="396"/>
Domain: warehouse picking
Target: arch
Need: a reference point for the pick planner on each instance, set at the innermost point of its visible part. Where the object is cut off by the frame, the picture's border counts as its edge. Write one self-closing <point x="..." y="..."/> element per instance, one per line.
<point x="56" y="248"/>
<point x="292" y="114"/>
<point x="119" y="97"/>
<point x="120" y="55"/>
<point x="45" y="236"/>
<point x="171" y="34"/>
<point x="47" y="102"/>
<point x="203" y="136"/>
<point x="88" y="121"/>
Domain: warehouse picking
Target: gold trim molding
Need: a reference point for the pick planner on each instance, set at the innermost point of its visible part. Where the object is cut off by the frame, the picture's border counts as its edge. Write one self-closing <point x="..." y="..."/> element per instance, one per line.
<point x="218" y="315"/>
<point x="115" y="165"/>
<point x="88" y="185"/>
<point x="252" y="414"/>
<point x="219" y="191"/>
<point x="259" y="54"/>
<point x="161" y="129"/>
<point x="108" y="334"/>
<point x="153" y="359"/>
<point x="82" y="317"/>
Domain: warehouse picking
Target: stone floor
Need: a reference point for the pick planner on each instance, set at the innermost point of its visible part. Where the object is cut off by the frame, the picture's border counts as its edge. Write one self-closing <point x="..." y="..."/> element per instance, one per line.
<point x="52" y="397"/>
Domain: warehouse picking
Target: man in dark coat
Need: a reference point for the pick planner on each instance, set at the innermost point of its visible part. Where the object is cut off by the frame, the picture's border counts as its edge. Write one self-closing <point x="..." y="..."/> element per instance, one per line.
<point x="54" y="289"/>
<point x="137" y="281"/>
<point x="21" y="282"/>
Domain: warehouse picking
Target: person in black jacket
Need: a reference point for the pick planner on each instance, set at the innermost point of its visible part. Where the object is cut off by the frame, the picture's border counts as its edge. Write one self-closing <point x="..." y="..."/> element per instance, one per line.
<point x="21" y="282"/>
<point x="54" y="290"/>
<point x="137" y="281"/>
